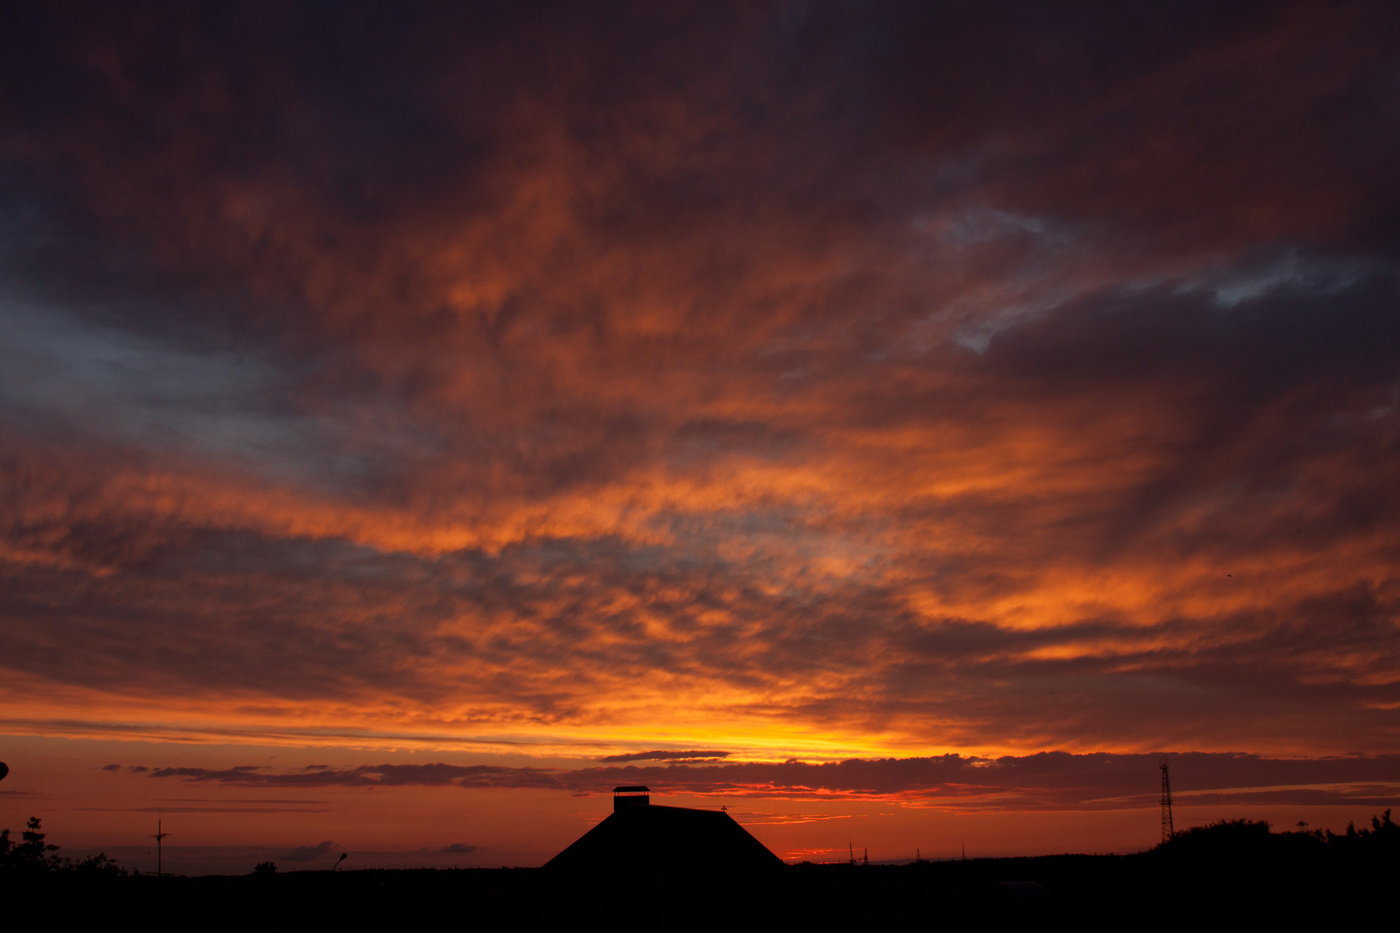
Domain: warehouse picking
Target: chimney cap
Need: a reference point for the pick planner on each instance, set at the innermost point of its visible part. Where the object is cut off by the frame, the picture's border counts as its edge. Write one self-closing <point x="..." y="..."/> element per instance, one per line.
<point x="629" y="796"/>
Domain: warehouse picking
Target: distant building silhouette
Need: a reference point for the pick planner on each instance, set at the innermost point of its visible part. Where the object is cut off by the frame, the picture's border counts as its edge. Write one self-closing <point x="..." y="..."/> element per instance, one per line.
<point x="643" y="842"/>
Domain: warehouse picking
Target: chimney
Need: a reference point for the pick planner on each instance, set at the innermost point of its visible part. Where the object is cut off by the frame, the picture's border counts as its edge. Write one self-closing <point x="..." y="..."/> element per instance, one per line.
<point x="631" y="795"/>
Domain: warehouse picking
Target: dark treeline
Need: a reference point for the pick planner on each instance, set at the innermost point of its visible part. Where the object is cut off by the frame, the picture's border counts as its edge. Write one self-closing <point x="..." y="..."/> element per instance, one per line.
<point x="1234" y="869"/>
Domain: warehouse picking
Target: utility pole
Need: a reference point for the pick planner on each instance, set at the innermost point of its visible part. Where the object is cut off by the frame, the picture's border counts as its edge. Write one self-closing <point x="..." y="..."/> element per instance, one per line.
<point x="1168" y="830"/>
<point x="160" y="834"/>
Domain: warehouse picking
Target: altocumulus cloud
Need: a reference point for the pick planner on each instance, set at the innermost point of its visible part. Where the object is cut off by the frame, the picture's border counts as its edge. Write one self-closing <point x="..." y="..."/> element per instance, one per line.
<point x="846" y="367"/>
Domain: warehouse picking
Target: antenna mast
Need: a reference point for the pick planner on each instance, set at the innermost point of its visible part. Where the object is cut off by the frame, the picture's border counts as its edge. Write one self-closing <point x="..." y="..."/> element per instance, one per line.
<point x="160" y="834"/>
<point x="1168" y="830"/>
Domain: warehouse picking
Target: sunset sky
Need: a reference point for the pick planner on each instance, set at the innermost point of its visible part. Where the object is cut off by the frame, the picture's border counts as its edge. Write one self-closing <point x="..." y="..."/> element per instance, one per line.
<point x="906" y="425"/>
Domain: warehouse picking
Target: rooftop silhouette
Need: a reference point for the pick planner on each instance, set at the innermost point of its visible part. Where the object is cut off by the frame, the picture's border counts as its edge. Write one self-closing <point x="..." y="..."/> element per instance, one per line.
<point x="641" y="840"/>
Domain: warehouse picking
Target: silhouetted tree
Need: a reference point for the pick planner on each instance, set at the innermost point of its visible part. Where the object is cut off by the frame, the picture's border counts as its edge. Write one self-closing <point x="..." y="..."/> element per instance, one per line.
<point x="1382" y="838"/>
<point x="31" y="853"/>
<point x="265" y="869"/>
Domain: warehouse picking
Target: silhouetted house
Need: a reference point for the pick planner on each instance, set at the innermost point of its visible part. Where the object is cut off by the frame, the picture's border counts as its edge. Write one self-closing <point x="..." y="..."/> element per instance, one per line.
<point x="641" y="842"/>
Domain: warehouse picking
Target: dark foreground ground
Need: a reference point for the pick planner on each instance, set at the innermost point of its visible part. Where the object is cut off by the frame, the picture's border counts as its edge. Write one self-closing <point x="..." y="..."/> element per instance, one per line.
<point x="1281" y="878"/>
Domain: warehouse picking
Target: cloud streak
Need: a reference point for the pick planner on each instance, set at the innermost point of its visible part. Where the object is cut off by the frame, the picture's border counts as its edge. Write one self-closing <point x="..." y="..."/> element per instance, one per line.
<point x="1045" y="781"/>
<point x="661" y="755"/>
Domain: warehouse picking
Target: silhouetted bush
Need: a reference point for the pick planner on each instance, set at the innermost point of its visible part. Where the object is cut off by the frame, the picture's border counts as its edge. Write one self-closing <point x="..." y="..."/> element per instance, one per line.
<point x="99" y="866"/>
<point x="1232" y="837"/>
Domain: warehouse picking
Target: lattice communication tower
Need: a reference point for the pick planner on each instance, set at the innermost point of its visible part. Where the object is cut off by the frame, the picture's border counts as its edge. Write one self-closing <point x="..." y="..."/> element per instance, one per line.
<point x="1167" y="828"/>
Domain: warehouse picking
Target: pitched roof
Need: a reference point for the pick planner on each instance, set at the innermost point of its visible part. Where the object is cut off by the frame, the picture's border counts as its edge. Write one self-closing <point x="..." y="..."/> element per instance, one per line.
<point x="646" y="841"/>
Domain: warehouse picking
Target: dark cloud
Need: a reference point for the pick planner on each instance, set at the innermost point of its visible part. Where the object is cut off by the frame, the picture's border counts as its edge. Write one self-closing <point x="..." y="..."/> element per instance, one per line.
<point x="661" y="755"/>
<point x="373" y="776"/>
<point x="460" y="848"/>
<point x="209" y="809"/>
<point x="1049" y="780"/>
<point x="308" y="853"/>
